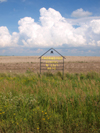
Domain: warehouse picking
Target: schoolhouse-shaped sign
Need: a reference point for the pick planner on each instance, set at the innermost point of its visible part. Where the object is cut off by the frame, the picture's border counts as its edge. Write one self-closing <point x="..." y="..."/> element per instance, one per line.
<point x="51" y="60"/>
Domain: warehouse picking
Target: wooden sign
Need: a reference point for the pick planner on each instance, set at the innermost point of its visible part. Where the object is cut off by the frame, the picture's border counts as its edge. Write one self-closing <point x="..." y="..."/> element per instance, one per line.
<point x="49" y="63"/>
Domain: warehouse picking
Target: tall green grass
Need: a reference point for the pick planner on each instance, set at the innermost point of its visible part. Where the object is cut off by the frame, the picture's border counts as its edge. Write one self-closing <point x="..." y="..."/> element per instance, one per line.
<point x="47" y="103"/>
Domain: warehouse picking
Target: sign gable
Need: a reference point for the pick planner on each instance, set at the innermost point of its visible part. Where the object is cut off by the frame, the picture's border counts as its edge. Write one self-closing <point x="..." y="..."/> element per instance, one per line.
<point x="52" y="49"/>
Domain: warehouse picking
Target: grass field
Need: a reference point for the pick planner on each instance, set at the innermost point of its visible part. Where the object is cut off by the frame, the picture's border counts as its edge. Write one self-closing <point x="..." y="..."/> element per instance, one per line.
<point x="47" y="103"/>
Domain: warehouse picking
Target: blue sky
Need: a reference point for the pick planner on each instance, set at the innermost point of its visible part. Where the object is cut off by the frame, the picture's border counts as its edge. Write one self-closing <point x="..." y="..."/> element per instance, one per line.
<point x="30" y="27"/>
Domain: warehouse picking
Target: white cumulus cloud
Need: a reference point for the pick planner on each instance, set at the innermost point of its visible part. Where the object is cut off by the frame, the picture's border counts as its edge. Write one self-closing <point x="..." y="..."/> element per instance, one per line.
<point x="52" y="30"/>
<point x="95" y="24"/>
<point x="6" y="39"/>
<point x="80" y="13"/>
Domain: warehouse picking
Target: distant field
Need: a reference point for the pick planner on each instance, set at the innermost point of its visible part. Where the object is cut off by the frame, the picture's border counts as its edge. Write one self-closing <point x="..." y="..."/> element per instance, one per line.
<point x="73" y="64"/>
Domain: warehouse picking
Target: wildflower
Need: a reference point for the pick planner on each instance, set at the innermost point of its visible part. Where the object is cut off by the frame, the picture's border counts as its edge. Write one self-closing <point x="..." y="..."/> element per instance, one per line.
<point x="45" y="112"/>
<point x="3" y="112"/>
<point x="44" y="119"/>
<point x="37" y="128"/>
<point x="24" y="118"/>
<point x="76" y="124"/>
<point x="14" y="113"/>
<point x="42" y="111"/>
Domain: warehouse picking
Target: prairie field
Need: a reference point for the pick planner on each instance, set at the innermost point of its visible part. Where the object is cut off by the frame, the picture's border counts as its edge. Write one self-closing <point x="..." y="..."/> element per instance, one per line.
<point x="72" y="64"/>
<point x="50" y="102"/>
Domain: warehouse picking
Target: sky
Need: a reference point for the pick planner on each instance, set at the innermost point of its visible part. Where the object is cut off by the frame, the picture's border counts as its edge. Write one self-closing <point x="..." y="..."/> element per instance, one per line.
<point x="31" y="27"/>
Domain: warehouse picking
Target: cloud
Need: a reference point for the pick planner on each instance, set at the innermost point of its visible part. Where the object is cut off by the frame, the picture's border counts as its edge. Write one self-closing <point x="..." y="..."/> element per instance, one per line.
<point x="95" y="24"/>
<point x="98" y="43"/>
<point x="80" y="13"/>
<point x="52" y="30"/>
<point x="6" y="39"/>
<point x="92" y="43"/>
<point x="3" y="1"/>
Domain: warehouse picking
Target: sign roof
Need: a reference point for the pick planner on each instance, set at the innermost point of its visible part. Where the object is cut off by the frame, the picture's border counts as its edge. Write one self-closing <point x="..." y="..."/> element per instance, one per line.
<point x="54" y="50"/>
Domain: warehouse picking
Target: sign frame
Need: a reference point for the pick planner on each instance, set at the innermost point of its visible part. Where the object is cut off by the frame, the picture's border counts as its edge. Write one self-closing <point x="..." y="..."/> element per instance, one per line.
<point x="52" y="63"/>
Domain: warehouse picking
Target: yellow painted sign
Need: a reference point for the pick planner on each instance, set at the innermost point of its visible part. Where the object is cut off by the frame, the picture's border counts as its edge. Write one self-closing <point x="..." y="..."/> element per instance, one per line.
<point x="51" y="65"/>
<point x="53" y="68"/>
<point x="52" y="58"/>
<point x="53" y="62"/>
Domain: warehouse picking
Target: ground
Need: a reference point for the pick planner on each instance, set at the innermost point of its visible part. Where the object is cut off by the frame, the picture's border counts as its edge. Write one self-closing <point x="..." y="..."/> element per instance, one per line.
<point x="72" y="64"/>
